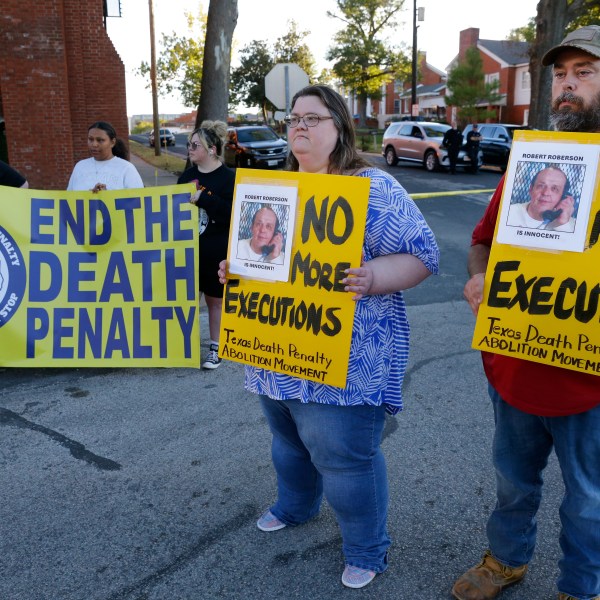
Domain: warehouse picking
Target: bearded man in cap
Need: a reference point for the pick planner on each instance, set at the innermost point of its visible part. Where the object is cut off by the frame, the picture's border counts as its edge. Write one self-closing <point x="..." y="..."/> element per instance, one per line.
<point x="538" y="407"/>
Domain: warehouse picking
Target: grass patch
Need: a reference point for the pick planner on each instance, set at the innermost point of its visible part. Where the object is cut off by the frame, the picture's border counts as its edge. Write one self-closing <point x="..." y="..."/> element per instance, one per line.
<point x="165" y="161"/>
<point x="369" y="140"/>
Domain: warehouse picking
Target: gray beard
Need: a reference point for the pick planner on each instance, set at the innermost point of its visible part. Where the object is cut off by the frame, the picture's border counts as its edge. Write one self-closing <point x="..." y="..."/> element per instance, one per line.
<point x="585" y="118"/>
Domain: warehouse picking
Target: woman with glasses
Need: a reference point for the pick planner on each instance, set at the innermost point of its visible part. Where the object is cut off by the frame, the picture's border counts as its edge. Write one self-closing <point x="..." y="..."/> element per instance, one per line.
<point x="214" y="182"/>
<point x="108" y="168"/>
<point x="326" y="440"/>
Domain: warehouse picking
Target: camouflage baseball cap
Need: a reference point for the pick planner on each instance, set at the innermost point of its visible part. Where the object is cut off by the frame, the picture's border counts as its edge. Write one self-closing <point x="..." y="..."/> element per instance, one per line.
<point x="584" y="38"/>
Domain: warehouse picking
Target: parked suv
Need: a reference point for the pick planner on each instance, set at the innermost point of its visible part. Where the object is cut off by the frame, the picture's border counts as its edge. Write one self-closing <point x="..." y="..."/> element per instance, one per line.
<point x="419" y="141"/>
<point x="254" y="146"/>
<point x="165" y="136"/>
<point x="496" y="142"/>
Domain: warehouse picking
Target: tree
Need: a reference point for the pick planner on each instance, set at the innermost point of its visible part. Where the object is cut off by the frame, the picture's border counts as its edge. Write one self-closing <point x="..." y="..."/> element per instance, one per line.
<point x="290" y="48"/>
<point x="179" y="66"/>
<point x="214" y="87"/>
<point x="590" y="15"/>
<point x="554" y="19"/>
<point x="468" y="90"/>
<point x="365" y="59"/>
<point x="248" y="80"/>
<point x="258" y="58"/>
<point x="523" y="34"/>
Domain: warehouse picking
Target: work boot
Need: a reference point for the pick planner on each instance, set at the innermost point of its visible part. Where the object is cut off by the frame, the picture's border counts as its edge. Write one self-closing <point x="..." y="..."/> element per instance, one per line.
<point x="487" y="579"/>
<point x="563" y="596"/>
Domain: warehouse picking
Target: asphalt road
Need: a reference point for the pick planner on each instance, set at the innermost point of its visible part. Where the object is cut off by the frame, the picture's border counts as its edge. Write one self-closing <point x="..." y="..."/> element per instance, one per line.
<point x="180" y="147"/>
<point x="125" y="484"/>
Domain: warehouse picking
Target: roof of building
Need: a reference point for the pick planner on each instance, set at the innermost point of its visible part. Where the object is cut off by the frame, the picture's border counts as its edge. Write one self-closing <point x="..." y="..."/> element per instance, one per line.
<point x="508" y="51"/>
<point x="425" y="90"/>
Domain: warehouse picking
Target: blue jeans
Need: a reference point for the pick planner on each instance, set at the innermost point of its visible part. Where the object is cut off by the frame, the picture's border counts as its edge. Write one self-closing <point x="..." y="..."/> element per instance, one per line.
<point x="323" y="448"/>
<point x="522" y="445"/>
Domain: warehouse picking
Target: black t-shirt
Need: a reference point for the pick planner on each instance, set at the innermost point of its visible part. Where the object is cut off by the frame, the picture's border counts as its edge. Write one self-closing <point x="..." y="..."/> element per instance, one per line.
<point x="473" y="143"/>
<point x="453" y="139"/>
<point x="216" y="197"/>
<point x="10" y="177"/>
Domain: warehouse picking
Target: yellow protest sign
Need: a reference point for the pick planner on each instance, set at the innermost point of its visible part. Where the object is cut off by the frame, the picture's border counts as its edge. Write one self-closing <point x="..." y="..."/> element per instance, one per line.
<point x="103" y="280"/>
<point x="542" y="303"/>
<point x="298" y="322"/>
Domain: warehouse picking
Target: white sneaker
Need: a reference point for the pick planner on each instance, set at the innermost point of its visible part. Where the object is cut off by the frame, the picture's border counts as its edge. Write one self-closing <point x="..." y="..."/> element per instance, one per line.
<point x="212" y="360"/>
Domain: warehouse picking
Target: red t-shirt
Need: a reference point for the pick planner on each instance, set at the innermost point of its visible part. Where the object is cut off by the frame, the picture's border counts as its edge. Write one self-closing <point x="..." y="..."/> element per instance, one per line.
<point x="533" y="387"/>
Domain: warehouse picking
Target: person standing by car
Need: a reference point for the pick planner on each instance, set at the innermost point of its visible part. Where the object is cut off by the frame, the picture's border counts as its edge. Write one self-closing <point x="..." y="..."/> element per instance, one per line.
<point x="108" y="167"/>
<point x="539" y="407"/>
<point x="473" y="139"/>
<point x="214" y="182"/>
<point x="327" y="440"/>
<point x="453" y="140"/>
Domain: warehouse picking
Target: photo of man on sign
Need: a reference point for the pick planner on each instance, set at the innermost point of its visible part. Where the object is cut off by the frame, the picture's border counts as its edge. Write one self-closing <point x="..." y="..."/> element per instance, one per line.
<point x="548" y="192"/>
<point x="267" y="236"/>
<point x="550" y="202"/>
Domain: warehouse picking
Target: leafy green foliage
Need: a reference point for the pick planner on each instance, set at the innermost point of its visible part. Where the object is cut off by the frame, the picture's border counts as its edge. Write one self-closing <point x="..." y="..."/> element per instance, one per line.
<point x="248" y="80"/>
<point x="142" y="127"/>
<point x="468" y="90"/>
<point x="179" y="65"/>
<point x="523" y="34"/>
<point x="365" y="59"/>
<point x="257" y="58"/>
<point x="290" y="48"/>
<point x="589" y="15"/>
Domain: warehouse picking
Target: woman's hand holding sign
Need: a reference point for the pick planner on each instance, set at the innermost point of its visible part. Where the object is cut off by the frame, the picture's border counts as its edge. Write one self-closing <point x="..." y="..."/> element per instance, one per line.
<point x="385" y="275"/>
<point x="223" y="272"/>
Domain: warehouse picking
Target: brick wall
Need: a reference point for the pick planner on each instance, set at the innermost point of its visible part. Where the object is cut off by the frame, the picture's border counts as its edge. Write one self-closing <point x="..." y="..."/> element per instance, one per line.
<point x="59" y="72"/>
<point x="468" y="37"/>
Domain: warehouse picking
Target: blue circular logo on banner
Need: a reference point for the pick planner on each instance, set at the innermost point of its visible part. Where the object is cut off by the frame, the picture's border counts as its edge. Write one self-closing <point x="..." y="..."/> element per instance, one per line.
<point x="12" y="277"/>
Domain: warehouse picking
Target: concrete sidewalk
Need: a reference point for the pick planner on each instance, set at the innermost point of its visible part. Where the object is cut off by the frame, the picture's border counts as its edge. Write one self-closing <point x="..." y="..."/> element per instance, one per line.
<point x="151" y="175"/>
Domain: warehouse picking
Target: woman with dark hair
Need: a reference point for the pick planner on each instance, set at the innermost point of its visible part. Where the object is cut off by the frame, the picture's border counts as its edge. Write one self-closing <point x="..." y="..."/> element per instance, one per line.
<point x="214" y="182"/>
<point x="108" y="168"/>
<point x="326" y="440"/>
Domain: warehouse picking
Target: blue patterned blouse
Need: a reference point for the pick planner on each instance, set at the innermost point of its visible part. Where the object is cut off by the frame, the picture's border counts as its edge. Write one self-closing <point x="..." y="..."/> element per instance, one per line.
<point x="380" y="336"/>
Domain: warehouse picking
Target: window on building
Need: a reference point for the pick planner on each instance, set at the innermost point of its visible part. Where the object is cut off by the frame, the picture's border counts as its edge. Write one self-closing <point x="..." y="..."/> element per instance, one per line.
<point x="525" y="80"/>
<point x="396" y="107"/>
<point x="492" y="77"/>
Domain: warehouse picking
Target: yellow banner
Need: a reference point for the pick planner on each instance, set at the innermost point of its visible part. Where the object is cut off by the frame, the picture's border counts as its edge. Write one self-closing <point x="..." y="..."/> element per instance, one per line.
<point x="99" y="280"/>
<point x="543" y="304"/>
<point x="302" y="326"/>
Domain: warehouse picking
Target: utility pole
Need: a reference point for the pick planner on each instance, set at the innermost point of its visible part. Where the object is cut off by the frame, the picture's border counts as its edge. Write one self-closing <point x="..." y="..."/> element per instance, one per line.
<point x="415" y="65"/>
<point x="153" y="80"/>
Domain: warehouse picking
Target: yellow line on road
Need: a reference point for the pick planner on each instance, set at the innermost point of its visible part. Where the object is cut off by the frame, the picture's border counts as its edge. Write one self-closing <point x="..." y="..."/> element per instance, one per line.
<point x="461" y="193"/>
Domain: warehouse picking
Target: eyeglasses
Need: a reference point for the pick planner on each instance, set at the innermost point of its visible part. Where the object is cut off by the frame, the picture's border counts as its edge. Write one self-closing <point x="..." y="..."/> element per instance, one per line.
<point x="194" y="145"/>
<point x="310" y="120"/>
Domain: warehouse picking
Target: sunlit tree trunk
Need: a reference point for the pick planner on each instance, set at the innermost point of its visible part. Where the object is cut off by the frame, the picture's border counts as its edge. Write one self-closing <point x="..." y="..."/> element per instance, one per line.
<point x="214" y="94"/>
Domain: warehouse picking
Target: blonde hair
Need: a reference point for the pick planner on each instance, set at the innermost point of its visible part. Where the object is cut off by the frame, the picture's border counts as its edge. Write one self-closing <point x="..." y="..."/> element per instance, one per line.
<point x="212" y="134"/>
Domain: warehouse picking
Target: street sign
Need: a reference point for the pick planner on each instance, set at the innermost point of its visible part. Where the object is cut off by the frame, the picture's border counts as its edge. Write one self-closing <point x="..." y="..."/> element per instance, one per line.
<point x="282" y="82"/>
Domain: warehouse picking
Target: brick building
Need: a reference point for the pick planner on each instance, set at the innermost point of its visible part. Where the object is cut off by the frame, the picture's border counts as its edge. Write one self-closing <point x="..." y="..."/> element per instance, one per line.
<point x="507" y="62"/>
<point x="59" y="72"/>
<point x="504" y="61"/>
<point x="397" y="95"/>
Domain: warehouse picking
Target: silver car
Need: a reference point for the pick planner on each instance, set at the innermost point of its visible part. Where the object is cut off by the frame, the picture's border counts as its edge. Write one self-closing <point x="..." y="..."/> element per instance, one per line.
<point x="420" y="142"/>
